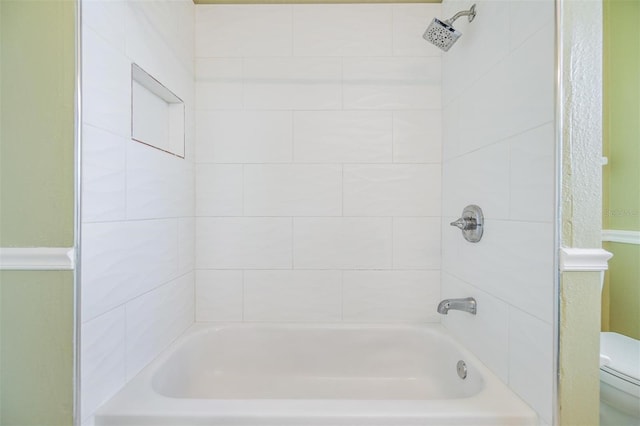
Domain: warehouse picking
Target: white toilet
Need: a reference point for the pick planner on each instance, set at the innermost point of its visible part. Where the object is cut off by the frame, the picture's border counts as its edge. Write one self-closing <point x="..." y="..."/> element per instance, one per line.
<point x="619" y="380"/>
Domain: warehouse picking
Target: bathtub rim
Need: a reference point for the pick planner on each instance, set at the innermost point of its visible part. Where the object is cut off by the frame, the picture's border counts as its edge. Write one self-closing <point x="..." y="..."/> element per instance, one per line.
<point x="139" y="398"/>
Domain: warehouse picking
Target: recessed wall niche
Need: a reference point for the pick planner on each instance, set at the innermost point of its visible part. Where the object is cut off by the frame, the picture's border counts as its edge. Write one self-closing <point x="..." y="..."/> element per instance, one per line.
<point x="157" y="114"/>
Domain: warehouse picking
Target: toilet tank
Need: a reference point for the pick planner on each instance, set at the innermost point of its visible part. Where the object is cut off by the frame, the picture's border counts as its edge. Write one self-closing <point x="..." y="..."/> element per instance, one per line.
<point x="620" y="355"/>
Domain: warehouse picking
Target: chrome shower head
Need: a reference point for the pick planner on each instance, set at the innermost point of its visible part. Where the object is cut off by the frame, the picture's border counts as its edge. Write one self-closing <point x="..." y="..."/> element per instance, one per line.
<point x="442" y="34"/>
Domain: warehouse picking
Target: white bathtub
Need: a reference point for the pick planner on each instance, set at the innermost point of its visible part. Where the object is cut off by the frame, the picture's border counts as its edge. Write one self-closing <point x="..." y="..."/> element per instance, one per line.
<point x="287" y="374"/>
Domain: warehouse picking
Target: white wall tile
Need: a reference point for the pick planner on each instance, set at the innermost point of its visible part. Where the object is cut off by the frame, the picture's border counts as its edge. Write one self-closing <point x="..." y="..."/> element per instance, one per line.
<point x="183" y="31"/>
<point x="342" y="136"/>
<point x="186" y="245"/>
<point x="102" y="359"/>
<point x="103" y="177"/>
<point x="190" y="132"/>
<point x="514" y="261"/>
<point x="480" y="48"/>
<point x="532" y="175"/>
<point x="391" y="83"/>
<point x="521" y="92"/>
<point x="159" y="39"/>
<point x="416" y="243"/>
<point x="392" y="190"/>
<point x="121" y="260"/>
<point x="249" y="243"/>
<point x="244" y="136"/>
<point x="452" y="240"/>
<point x="126" y="182"/>
<point x="390" y="296"/>
<point x="531" y="271"/>
<point x="328" y="54"/>
<point x="218" y="83"/>
<point x="487" y="332"/>
<point x="417" y="136"/>
<point x="342" y="30"/>
<point x="156" y="319"/>
<point x="219" y="295"/>
<point x="527" y="17"/>
<point x="158" y="184"/>
<point x="106" y="85"/>
<point x="533" y="82"/>
<point x="410" y="21"/>
<point x="292" y="83"/>
<point x="498" y="150"/>
<point x="342" y="243"/>
<point x="89" y="421"/>
<point x="450" y="131"/>
<point x="480" y="177"/>
<point x="479" y="124"/>
<point x="292" y="295"/>
<point x="531" y="361"/>
<point x="237" y="30"/>
<point x="292" y="190"/>
<point x="105" y="18"/>
<point x="219" y="189"/>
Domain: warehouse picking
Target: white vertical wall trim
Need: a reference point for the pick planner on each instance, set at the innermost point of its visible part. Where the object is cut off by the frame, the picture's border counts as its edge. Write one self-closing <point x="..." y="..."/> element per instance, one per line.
<point x="580" y="259"/>
<point x="37" y="258"/>
<point x="617" y="236"/>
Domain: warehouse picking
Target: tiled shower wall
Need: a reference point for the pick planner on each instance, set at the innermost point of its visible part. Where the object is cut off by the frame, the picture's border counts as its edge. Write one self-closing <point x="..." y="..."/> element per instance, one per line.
<point x="318" y="151"/>
<point x="498" y="144"/>
<point x="318" y="146"/>
<point x="137" y="272"/>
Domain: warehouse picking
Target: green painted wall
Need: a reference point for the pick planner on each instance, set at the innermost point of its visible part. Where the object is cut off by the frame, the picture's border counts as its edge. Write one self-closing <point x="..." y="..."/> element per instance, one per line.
<point x="37" y="349"/>
<point x="37" y="62"/>
<point x="624" y="294"/>
<point x="621" y="177"/>
<point x="37" y="123"/>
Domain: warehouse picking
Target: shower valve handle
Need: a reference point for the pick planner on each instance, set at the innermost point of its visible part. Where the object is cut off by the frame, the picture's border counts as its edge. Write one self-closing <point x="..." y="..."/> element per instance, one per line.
<point x="465" y="223"/>
<point x="471" y="223"/>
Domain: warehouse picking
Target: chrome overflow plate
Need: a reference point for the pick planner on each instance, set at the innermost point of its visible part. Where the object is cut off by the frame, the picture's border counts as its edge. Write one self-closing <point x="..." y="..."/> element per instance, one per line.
<point x="462" y="369"/>
<point x="471" y="223"/>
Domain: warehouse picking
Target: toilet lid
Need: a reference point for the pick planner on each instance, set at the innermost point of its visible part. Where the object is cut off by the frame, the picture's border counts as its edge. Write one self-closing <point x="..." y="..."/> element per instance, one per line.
<point x="621" y="353"/>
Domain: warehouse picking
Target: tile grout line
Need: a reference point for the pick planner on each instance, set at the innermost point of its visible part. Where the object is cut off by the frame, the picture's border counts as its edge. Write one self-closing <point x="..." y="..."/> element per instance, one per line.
<point x="242" y="272"/>
<point x="342" y="191"/>
<point x="293" y="263"/>
<point x="342" y="295"/>
<point x="292" y="116"/>
<point x="393" y="243"/>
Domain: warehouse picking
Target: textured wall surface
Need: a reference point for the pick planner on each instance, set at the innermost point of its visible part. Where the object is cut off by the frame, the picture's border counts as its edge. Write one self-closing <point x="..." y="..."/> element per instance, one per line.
<point x="581" y="209"/>
<point x="137" y="201"/>
<point x="499" y="153"/>
<point x="318" y="172"/>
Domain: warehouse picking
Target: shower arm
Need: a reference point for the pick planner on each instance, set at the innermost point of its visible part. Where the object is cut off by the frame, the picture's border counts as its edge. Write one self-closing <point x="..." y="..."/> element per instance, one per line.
<point x="471" y="13"/>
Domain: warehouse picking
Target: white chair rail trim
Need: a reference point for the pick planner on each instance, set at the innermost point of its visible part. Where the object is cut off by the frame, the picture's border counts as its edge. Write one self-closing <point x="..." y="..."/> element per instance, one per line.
<point x="618" y="236"/>
<point x="585" y="260"/>
<point x="37" y="258"/>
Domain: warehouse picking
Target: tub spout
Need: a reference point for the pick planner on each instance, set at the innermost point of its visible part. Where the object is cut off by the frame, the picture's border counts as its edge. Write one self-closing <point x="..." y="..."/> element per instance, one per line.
<point x="467" y="304"/>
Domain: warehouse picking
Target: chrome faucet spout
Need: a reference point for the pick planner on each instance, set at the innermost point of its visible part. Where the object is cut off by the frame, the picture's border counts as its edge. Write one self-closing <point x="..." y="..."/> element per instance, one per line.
<point x="467" y="304"/>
